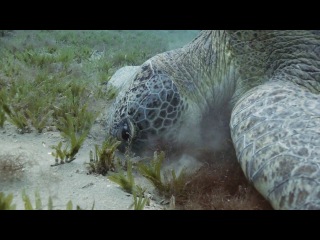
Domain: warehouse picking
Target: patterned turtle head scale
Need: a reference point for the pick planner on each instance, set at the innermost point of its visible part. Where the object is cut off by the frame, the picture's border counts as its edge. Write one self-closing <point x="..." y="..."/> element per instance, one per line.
<point x="149" y="109"/>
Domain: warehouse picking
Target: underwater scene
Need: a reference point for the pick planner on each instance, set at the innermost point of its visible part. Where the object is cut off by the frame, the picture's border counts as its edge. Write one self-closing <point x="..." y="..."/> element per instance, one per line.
<point x="72" y="136"/>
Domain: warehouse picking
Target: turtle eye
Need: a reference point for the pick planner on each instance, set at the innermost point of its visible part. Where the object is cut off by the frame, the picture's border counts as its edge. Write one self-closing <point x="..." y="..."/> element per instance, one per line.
<point x="125" y="132"/>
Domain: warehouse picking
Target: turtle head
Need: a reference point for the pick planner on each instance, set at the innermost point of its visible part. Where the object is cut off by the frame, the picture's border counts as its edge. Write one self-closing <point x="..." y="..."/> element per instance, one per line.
<point x="149" y="111"/>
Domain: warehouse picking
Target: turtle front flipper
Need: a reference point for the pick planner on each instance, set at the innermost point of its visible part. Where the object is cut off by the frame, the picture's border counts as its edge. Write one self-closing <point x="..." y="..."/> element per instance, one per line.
<point x="275" y="129"/>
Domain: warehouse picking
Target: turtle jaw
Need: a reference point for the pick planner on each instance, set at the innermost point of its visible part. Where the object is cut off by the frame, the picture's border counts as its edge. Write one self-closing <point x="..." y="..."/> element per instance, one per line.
<point x="126" y="131"/>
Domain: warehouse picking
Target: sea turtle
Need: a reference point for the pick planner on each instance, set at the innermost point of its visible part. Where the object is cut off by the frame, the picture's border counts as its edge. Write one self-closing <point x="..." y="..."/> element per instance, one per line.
<point x="267" y="83"/>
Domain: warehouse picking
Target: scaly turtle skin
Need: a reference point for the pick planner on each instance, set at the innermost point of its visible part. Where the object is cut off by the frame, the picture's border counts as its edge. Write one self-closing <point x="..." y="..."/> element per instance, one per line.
<point x="269" y="84"/>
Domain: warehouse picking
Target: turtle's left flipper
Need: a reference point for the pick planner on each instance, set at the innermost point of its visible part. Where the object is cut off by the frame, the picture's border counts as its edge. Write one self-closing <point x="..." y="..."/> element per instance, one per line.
<point x="275" y="129"/>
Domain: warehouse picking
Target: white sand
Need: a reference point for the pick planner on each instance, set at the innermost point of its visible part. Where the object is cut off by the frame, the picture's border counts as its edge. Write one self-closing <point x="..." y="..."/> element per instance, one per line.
<point x="65" y="182"/>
